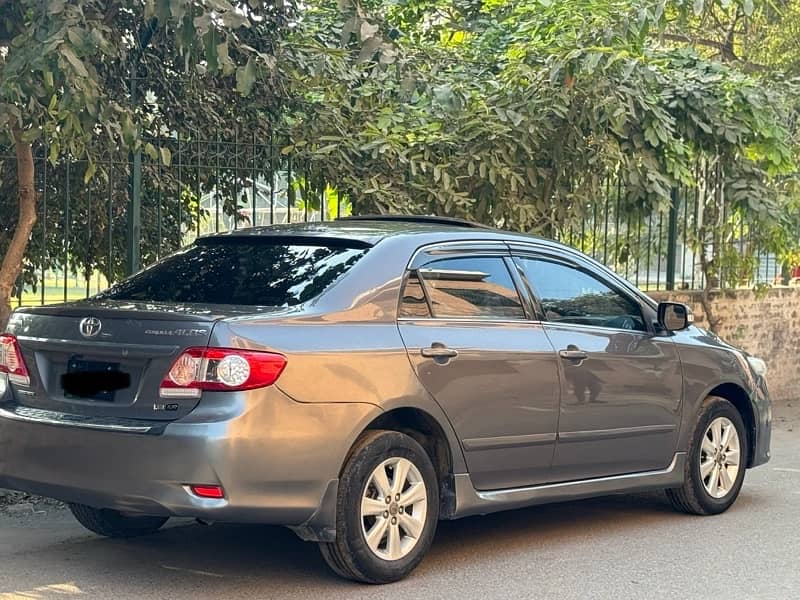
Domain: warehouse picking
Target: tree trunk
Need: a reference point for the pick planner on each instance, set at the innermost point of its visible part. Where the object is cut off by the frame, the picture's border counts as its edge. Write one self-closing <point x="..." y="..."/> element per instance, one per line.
<point x="15" y="254"/>
<point x="705" y="298"/>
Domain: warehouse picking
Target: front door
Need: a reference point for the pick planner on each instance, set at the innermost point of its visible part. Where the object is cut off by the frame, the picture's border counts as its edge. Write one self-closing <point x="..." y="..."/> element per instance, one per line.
<point x="490" y="367"/>
<point x="621" y="384"/>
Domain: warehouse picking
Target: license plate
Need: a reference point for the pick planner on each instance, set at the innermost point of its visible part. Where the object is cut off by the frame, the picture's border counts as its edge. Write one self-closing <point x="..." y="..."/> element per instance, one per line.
<point x="93" y="380"/>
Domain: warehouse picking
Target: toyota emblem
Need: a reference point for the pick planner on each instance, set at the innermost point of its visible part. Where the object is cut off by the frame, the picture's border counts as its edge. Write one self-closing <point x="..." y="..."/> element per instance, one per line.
<point x="90" y="327"/>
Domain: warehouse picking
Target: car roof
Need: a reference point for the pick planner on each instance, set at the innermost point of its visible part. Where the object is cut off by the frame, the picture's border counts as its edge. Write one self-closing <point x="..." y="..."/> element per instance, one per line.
<point x="372" y="230"/>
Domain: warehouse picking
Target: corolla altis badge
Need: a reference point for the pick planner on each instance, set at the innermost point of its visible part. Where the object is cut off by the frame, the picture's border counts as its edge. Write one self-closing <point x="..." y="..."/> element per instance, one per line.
<point x="176" y="332"/>
<point x="90" y="327"/>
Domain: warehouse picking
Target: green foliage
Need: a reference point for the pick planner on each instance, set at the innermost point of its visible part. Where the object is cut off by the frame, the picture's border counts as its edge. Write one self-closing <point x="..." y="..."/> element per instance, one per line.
<point x="520" y="122"/>
<point x="66" y="66"/>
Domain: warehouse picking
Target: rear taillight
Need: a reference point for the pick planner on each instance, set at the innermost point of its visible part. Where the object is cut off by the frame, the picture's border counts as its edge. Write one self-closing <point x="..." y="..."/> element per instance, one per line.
<point x="11" y="361"/>
<point x="220" y="369"/>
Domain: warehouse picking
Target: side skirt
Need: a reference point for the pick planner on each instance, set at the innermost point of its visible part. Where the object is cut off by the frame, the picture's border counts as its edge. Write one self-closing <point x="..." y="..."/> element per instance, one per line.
<point x="470" y="501"/>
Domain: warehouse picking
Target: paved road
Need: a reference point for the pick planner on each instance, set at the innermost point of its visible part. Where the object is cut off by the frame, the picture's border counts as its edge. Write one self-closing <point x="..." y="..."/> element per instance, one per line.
<point x="610" y="548"/>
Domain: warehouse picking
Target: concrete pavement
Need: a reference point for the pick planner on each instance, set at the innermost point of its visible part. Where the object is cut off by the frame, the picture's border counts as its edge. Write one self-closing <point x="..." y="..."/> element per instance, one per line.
<point x="610" y="548"/>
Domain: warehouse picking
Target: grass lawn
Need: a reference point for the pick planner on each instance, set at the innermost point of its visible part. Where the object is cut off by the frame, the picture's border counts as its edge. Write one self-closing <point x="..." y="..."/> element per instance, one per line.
<point x="52" y="295"/>
<point x="54" y="292"/>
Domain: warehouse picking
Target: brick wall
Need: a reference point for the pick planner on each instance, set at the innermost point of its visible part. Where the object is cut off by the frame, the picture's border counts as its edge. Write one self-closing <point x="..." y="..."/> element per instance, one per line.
<point x="765" y="324"/>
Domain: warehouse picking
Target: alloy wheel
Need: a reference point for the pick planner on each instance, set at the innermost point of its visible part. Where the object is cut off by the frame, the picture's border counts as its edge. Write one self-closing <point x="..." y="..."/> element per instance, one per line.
<point x="720" y="455"/>
<point x="393" y="508"/>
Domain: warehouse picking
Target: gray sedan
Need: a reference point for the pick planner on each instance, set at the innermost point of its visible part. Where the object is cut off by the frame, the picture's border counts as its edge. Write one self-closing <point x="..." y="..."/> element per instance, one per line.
<point x="358" y="381"/>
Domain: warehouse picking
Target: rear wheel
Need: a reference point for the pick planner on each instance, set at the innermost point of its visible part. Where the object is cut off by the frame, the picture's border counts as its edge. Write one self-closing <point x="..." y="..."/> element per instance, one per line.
<point x="113" y="524"/>
<point x="716" y="463"/>
<point x="387" y="509"/>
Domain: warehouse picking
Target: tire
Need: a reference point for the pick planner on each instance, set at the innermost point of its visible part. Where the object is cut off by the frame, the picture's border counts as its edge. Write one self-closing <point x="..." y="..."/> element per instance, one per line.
<point x="392" y="552"/>
<point x="113" y="524"/>
<point x="694" y="496"/>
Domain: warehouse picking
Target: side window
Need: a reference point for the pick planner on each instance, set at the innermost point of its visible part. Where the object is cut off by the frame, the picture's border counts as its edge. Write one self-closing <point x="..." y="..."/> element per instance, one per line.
<point x="569" y="295"/>
<point x="477" y="288"/>
<point x="413" y="303"/>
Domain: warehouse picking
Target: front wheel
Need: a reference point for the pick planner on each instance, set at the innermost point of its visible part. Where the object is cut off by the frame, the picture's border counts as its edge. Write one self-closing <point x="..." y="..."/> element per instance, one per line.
<point x="387" y="509"/>
<point x="716" y="461"/>
<point x="114" y="524"/>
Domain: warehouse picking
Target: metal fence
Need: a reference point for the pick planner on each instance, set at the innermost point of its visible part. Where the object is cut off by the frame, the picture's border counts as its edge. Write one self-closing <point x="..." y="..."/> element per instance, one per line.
<point x="139" y="208"/>
<point x="664" y="251"/>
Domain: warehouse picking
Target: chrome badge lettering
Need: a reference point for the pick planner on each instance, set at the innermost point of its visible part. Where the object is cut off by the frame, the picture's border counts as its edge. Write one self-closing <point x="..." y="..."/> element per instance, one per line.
<point x="177" y="332"/>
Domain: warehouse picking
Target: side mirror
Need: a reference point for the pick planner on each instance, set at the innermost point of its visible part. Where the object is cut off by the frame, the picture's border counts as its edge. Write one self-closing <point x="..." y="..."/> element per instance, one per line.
<point x="674" y="316"/>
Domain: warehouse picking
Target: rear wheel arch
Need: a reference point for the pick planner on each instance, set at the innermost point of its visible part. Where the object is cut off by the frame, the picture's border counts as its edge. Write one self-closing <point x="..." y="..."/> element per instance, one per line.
<point x="383" y="543"/>
<point x="426" y="430"/>
<point x="740" y="399"/>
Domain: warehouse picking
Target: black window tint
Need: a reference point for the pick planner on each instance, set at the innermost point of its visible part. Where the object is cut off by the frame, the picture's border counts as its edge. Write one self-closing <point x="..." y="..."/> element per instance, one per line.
<point x="242" y="272"/>
<point x="569" y="295"/>
<point x="413" y="303"/>
<point x="471" y="287"/>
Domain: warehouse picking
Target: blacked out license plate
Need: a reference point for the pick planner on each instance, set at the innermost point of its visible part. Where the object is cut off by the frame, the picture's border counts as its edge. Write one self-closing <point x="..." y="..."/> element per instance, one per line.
<point x="93" y="380"/>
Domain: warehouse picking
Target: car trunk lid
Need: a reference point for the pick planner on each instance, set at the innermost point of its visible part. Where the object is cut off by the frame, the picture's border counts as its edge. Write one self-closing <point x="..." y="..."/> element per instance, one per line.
<point x="68" y="349"/>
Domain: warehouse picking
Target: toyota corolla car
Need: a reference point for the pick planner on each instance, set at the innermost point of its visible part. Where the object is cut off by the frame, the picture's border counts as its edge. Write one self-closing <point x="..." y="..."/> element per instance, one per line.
<point x="359" y="380"/>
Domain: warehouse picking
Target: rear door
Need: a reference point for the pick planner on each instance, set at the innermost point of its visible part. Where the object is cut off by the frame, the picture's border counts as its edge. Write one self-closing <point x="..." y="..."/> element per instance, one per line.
<point x="621" y="385"/>
<point x="484" y="359"/>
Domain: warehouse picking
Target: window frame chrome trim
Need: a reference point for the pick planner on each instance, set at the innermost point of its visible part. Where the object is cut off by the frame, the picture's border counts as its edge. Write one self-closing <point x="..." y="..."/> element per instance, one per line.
<point x="475" y="321"/>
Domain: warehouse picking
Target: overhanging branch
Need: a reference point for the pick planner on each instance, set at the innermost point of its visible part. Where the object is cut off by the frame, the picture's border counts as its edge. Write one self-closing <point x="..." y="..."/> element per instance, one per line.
<point x="724" y="49"/>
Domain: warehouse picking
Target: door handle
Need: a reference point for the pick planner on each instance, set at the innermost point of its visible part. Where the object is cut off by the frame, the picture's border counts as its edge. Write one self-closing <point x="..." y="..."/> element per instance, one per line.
<point x="572" y="354"/>
<point x="439" y="351"/>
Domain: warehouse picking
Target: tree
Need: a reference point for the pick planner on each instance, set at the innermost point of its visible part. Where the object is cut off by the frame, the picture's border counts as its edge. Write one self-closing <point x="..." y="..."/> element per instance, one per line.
<point x="517" y="120"/>
<point x="62" y="65"/>
<point x="757" y="36"/>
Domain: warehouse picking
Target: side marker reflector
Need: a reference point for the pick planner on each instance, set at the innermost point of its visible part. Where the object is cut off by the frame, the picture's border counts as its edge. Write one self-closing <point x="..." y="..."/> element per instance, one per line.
<point x="208" y="491"/>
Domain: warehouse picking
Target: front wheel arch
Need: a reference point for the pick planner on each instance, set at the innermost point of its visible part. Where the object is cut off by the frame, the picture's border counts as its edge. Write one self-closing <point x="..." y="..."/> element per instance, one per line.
<point x="740" y="399"/>
<point x="693" y="496"/>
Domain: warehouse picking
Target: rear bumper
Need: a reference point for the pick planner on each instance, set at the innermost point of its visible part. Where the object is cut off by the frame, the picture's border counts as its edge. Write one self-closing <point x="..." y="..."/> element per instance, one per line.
<point x="278" y="461"/>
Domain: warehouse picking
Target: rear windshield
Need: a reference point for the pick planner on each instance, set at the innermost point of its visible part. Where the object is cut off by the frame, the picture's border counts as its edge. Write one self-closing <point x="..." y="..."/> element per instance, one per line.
<point x="241" y="272"/>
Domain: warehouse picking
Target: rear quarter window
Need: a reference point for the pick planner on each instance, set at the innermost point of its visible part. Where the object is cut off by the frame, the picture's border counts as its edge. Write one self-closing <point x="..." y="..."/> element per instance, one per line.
<point x="413" y="303"/>
<point x="241" y="272"/>
<point x="471" y="287"/>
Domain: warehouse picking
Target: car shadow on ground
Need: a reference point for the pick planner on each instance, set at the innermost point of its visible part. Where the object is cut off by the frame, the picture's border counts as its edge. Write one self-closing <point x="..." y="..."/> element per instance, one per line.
<point x="188" y="556"/>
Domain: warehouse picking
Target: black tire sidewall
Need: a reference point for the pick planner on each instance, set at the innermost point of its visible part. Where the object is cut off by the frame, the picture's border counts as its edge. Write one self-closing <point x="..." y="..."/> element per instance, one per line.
<point x="359" y="468"/>
<point x="717" y="408"/>
<point x="113" y="524"/>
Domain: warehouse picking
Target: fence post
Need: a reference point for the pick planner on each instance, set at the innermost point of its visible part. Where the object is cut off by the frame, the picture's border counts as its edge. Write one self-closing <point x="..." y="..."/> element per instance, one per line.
<point x="672" y="239"/>
<point x="134" y="191"/>
<point x="134" y="233"/>
<point x="135" y="215"/>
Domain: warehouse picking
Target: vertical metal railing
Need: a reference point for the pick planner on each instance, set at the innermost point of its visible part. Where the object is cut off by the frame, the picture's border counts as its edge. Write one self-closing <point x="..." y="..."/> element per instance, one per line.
<point x="662" y="250"/>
